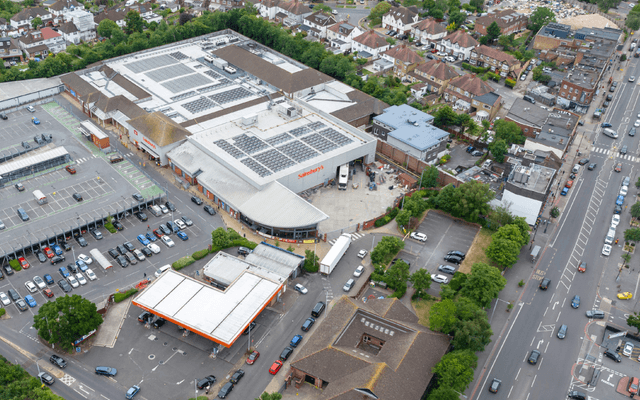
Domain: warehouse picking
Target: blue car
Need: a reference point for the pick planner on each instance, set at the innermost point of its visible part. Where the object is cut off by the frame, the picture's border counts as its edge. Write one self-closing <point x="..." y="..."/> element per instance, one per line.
<point x="564" y="192"/>
<point x="30" y="301"/>
<point x="64" y="272"/>
<point x="143" y="239"/>
<point x="56" y="249"/>
<point x="182" y="235"/>
<point x="81" y="264"/>
<point x="151" y="237"/>
<point x="620" y="200"/>
<point x="133" y="390"/>
<point x="35" y="120"/>
<point x="575" y="303"/>
<point x="606" y="125"/>
<point x="48" y="279"/>
<point x="296" y="340"/>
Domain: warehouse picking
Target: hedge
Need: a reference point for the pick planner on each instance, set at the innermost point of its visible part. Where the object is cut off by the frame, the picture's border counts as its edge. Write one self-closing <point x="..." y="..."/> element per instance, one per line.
<point x="387" y="218"/>
<point x="15" y="265"/>
<point x="183" y="262"/>
<point x="510" y="82"/>
<point x="2" y="312"/>
<point x="109" y="226"/>
<point x="200" y="254"/>
<point x="466" y="65"/>
<point x="121" y="296"/>
<point x="244" y="242"/>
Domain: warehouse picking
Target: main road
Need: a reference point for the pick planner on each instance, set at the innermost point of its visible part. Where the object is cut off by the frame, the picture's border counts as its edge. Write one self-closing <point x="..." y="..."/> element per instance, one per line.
<point x="579" y="238"/>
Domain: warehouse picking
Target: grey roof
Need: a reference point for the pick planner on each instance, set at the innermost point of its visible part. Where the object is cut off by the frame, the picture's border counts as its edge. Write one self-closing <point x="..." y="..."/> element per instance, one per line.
<point x="13" y="89"/>
<point x="488" y="98"/>
<point x="526" y="113"/>
<point x="279" y="261"/>
<point x="364" y="54"/>
<point x="411" y="126"/>
<point x="606" y="33"/>
<point x="27" y="161"/>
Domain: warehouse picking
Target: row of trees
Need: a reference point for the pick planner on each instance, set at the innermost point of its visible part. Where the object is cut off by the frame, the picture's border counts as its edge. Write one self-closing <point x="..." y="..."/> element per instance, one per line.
<point x="633" y="19"/>
<point x="16" y="383"/>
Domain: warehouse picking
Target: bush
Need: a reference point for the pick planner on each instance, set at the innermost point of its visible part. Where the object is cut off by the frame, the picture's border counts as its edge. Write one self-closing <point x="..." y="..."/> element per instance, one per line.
<point x="15" y="265"/>
<point x="183" y="262"/>
<point x="510" y="82"/>
<point x="400" y="292"/>
<point x="466" y="66"/>
<point x="623" y="57"/>
<point x="109" y="226"/>
<point x="2" y="312"/>
<point x="493" y="76"/>
<point x="200" y="254"/>
<point x="121" y="296"/>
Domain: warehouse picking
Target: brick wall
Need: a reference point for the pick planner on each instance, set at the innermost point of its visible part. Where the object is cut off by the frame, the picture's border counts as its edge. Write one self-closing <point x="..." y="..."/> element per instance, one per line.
<point x="530" y="129"/>
<point x="576" y="92"/>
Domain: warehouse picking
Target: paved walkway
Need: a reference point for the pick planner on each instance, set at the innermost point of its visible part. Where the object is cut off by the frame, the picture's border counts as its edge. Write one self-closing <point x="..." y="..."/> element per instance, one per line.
<point x="108" y="332"/>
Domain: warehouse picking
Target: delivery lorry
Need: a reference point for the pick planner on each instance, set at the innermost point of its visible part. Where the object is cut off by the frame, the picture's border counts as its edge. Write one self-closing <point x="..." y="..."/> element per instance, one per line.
<point x="334" y="255"/>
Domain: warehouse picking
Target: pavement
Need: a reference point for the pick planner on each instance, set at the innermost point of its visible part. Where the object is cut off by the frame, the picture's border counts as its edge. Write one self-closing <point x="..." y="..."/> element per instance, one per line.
<point x="108" y="333"/>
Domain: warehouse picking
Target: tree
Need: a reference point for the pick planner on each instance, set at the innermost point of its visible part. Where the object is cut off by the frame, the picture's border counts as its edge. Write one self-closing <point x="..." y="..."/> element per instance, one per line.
<point x="443" y="392"/>
<point x="456" y="16"/>
<point x="311" y="261"/>
<point x="387" y="245"/>
<point x="508" y="131"/>
<point x="36" y="22"/>
<point x="421" y="281"/>
<point x="540" y="17"/>
<point x="436" y="13"/>
<point x="633" y="21"/>
<point x="455" y="369"/>
<point x="106" y="27"/>
<point x="472" y="329"/>
<point x="483" y="284"/>
<point x="430" y="177"/>
<point x="134" y="22"/>
<point x="375" y="16"/>
<point x="442" y="316"/>
<point x="469" y="201"/>
<point x="220" y="238"/>
<point x="633" y="320"/>
<point x="632" y="235"/>
<point x="525" y="229"/>
<point x="484" y="40"/>
<point x="512" y="233"/>
<point x="270" y="396"/>
<point x="403" y="218"/>
<point x="506" y="41"/>
<point x="500" y="216"/>
<point x="184" y="18"/>
<point x="503" y="252"/>
<point x="493" y="31"/>
<point x="66" y="319"/>
<point x="635" y="210"/>
<point x="477" y="4"/>
<point x="498" y="149"/>
<point x="397" y="276"/>
<point x="445" y="117"/>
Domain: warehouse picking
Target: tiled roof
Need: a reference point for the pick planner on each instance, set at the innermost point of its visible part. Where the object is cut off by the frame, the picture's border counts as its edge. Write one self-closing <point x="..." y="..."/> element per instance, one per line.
<point x="68" y="27"/>
<point x="81" y="87"/>
<point x="48" y="33"/>
<point x="371" y="39"/>
<point x="346" y="28"/>
<point x="462" y="38"/>
<point x="496" y="54"/>
<point x="159" y="128"/>
<point x="321" y="18"/>
<point x="430" y="26"/>
<point x="403" y="14"/>
<point x="113" y="15"/>
<point x="61" y="4"/>
<point x="30" y="13"/>
<point x="295" y="7"/>
<point x="404" y="54"/>
<point x="472" y="84"/>
<point x="504" y="18"/>
<point x="438" y="70"/>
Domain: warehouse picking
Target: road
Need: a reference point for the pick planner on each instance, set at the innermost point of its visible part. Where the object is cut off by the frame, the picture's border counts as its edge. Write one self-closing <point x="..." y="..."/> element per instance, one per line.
<point x="579" y="237"/>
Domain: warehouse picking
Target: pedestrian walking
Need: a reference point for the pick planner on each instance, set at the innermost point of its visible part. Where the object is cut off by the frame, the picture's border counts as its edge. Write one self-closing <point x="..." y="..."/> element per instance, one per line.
<point x="145" y="274"/>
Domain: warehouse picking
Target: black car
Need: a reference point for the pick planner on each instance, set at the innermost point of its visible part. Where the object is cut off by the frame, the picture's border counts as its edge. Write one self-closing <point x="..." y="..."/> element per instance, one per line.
<point x="170" y="206"/>
<point x="196" y="200"/>
<point x="308" y="324"/>
<point x="251" y="326"/>
<point x="22" y="306"/>
<point x="13" y="294"/>
<point x="108" y="371"/>
<point x="457" y="253"/>
<point x="147" y="253"/>
<point x="609" y="97"/>
<point x="225" y="390"/>
<point x="613" y="355"/>
<point x="210" y="210"/>
<point x="117" y="225"/>
<point x="81" y="241"/>
<point x="544" y="285"/>
<point x="56" y="259"/>
<point x="159" y="322"/>
<point x="121" y="249"/>
<point x="46" y="378"/>
<point x="605" y="104"/>
<point x="286" y="353"/>
<point x="533" y="357"/>
<point x="141" y="216"/>
<point x="453" y="259"/>
<point x="206" y="381"/>
<point x="243" y="251"/>
<point x="495" y="385"/>
<point x="617" y="209"/>
<point x="113" y="253"/>
<point x="7" y="269"/>
<point x="137" y="197"/>
<point x="632" y="131"/>
<point x="129" y="246"/>
<point x="66" y="246"/>
<point x="447" y="269"/>
<point x="77" y="197"/>
<point x="235" y="378"/>
<point x="562" y="332"/>
<point x="172" y="227"/>
<point x="41" y="257"/>
<point x="592" y="166"/>
<point x="583" y="161"/>
<point x="73" y="268"/>
<point x="58" y="361"/>
<point x="318" y="309"/>
<point x="4" y="116"/>
<point x="64" y="285"/>
<point x="96" y="234"/>
<point x="122" y="261"/>
<point x="623" y="150"/>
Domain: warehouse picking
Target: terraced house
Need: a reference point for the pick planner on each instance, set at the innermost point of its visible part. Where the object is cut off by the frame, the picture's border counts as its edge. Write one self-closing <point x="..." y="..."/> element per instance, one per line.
<point x="498" y="61"/>
<point x="435" y="75"/>
<point x="403" y="58"/>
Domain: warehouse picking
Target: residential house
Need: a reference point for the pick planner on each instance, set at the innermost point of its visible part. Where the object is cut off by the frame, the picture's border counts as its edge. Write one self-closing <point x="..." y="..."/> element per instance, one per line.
<point x="458" y="44"/>
<point x="317" y="23"/>
<point x="400" y="19"/>
<point x="294" y="11"/>
<point x="435" y="74"/>
<point x="463" y="89"/>
<point x="78" y="26"/>
<point x="374" y="350"/>
<point x="403" y="58"/>
<point x="341" y="36"/>
<point x="369" y="45"/>
<point x="4" y="25"/>
<point x="509" y="21"/>
<point x="429" y="31"/>
<point x="22" y="20"/>
<point x="10" y="49"/>
<point x="146" y="11"/>
<point x="268" y="8"/>
<point x="37" y="43"/>
<point x="498" y="61"/>
<point x="61" y="7"/>
<point x="115" y="15"/>
<point x="486" y="106"/>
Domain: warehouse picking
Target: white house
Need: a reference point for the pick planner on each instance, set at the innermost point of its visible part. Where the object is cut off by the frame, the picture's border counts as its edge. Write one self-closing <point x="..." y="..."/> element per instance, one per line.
<point x="22" y="20"/>
<point x="341" y="36"/>
<point x="400" y="19"/>
<point x="459" y="44"/>
<point x="61" y="7"/>
<point x="317" y="24"/>
<point x="268" y="8"/>
<point x="428" y="31"/>
<point x="295" y="11"/>
<point x="369" y="45"/>
<point x="42" y="41"/>
<point x="116" y="16"/>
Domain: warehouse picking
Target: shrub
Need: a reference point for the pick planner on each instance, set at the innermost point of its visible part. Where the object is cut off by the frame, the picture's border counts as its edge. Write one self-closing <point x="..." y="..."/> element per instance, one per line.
<point x="109" y="226"/>
<point x="623" y="57"/>
<point x="510" y="82"/>
<point x="466" y="66"/>
<point x="2" y="312"/>
<point x="200" y="254"/>
<point x="183" y="262"/>
<point x="521" y="283"/>
<point x="15" y="265"/>
<point x="121" y="296"/>
<point x="400" y="292"/>
<point x="493" y="76"/>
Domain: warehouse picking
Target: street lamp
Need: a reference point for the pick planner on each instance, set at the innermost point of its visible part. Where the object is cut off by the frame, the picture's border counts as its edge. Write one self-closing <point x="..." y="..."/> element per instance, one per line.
<point x="39" y="376"/>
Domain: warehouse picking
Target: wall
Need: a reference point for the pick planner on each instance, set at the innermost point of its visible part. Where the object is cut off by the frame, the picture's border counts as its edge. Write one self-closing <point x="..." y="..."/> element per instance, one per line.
<point x="531" y="145"/>
<point x="24" y="99"/>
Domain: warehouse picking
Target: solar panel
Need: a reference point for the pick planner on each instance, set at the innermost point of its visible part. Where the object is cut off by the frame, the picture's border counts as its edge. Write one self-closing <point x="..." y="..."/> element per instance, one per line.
<point x="230" y="95"/>
<point x="186" y="83"/>
<point x="274" y="160"/>
<point x="336" y="137"/>
<point x="255" y="167"/>
<point x="170" y="72"/>
<point x="179" y="55"/>
<point x="213" y="74"/>
<point x="249" y="144"/>
<point x="150" y="63"/>
<point x="319" y="143"/>
<point x="303" y="130"/>
<point x="278" y="139"/>
<point x="298" y="151"/>
<point x="183" y="96"/>
<point x="223" y="82"/>
<point x="229" y="148"/>
<point x="316" y="125"/>
<point x="199" y="105"/>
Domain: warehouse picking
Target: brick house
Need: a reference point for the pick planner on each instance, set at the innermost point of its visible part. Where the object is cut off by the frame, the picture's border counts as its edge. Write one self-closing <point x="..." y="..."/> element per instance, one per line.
<point x="499" y="61"/>
<point x="369" y="44"/>
<point x="429" y="31"/>
<point x="42" y="42"/>
<point x="10" y="49"/>
<point x="403" y="58"/>
<point x="458" y="44"/>
<point x="22" y="20"/>
<point x="400" y="19"/>
<point x="463" y="89"/>
<point x="435" y="74"/>
<point x="509" y="22"/>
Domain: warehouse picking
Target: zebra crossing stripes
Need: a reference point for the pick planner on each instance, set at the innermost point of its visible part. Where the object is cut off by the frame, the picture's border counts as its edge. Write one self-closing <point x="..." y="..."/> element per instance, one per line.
<point x="354" y="236"/>
<point x="607" y="152"/>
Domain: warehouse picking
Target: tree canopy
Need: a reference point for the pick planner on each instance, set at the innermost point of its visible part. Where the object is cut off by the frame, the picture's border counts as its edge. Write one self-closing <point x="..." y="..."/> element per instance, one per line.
<point x="16" y="383"/>
<point x="375" y="16"/>
<point x="442" y="316"/>
<point x="455" y="369"/>
<point x="469" y="201"/>
<point x="493" y="31"/>
<point x="386" y="246"/>
<point x="508" y="131"/>
<point x="133" y="22"/>
<point x="498" y="149"/>
<point x="421" y="282"/>
<point x="430" y="177"/>
<point x="540" y="17"/>
<point x="483" y="284"/>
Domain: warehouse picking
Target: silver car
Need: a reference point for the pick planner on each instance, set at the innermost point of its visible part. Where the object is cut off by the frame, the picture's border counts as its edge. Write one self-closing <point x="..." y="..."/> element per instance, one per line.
<point x="439" y="278"/>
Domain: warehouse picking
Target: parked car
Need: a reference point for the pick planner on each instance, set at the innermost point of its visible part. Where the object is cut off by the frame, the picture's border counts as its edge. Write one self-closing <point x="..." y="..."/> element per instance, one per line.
<point x="447" y="269"/>
<point x="210" y="210"/>
<point x="453" y="259"/>
<point x="275" y="367"/>
<point x="206" y="381"/>
<point x="299" y="288"/>
<point x="308" y="324"/>
<point x="419" y="236"/>
<point x="253" y="357"/>
<point x="197" y="200"/>
<point x="107" y="371"/>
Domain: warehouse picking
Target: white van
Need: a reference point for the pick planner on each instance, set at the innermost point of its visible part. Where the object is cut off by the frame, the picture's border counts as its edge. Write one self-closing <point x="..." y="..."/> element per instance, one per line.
<point x="610" y="236"/>
<point x="162" y="269"/>
<point x="610" y="132"/>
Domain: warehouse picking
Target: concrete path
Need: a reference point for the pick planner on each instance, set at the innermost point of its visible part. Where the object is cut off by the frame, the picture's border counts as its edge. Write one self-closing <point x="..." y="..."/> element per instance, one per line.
<point x="108" y="332"/>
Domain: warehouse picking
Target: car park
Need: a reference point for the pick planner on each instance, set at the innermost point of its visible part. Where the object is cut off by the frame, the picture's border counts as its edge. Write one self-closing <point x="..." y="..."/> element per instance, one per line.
<point x="299" y="288"/>
<point x="90" y="274"/>
<point x="107" y="371"/>
<point x="133" y="390"/>
<point x="533" y="357"/>
<point x="182" y="235"/>
<point x="447" y="269"/>
<point x="562" y="331"/>
<point x="275" y="367"/>
<point x="419" y="236"/>
<point x="253" y="357"/>
<point x="22" y="306"/>
<point x="167" y="240"/>
<point x="226" y="388"/>
<point x="308" y="324"/>
<point x="439" y="278"/>
<point x="206" y="381"/>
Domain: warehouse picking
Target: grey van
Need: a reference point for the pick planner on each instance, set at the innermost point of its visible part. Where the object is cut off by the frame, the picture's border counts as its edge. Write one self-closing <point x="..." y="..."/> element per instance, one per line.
<point x="529" y="99"/>
<point x="610" y="132"/>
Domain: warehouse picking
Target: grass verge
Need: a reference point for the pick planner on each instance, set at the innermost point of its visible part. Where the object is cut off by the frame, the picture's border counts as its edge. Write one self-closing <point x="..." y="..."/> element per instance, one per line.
<point x="423" y="308"/>
<point x="476" y="252"/>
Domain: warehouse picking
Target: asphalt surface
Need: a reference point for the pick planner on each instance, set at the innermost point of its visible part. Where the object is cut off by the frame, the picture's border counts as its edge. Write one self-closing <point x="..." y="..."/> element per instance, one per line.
<point x="579" y="237"/>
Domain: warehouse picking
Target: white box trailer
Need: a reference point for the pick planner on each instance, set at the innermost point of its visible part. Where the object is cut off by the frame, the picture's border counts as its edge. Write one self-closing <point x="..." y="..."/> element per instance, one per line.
<point x="40" y="197"/>
<point x="100" y="259"/>
<point x="334" y="255"/>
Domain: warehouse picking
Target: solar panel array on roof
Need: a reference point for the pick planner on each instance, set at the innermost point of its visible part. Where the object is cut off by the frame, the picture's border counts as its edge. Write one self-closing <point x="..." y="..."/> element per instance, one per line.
<point x="199" y="105"/>
<point x="223" y="82"/>
<point x="150" y="63"/>
<point x="183" y="96"/>
<point x="229" y="148"/>
<point x="178" y="55"/>
<point x="336" y="137"/>
<point x="197" y="66"/>
<point x="230" y="95"/>
<point x="186" y="83"/>
<point x="249" y="144"/>
<point x="213" y="74"/>
<point x="316" y="125"/>
<point x="319" y="143"/>
<point x="256" y="167"/>
<point x="298" y="151"/>
<point x="303" y="130"/>
<point x="281" y="138"/>
<point x="170" y="72"/>
<point x="274" y="160"/>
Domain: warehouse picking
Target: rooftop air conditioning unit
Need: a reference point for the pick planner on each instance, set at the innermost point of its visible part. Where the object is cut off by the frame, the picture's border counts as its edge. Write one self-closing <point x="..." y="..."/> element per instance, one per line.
<point x="250" y="119"/>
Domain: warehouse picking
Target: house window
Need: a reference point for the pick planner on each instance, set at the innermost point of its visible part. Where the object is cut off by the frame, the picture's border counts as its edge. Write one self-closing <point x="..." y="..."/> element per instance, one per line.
<point x="564" y="87"/>
<point x="486" y="107"/>
<point x="526" y="129"/>
<point x="574" y="98"/>
<point x="562" y="93"/>
<point x="570" y="90"/>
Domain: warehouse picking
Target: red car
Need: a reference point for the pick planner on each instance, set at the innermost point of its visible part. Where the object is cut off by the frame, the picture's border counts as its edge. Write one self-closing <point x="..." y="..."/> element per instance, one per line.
<point x="48" y="252"/>
<point x="23" y="263"/>
<point x="47" y="292"/>
<point x="434" y="51"/>
<point x="568" y="184"/>
<point x="70" y="169"/>
<point x="253" y="357"/>
<point x="582" y="267"/>
<point x="158" y="234"/>
<point x="275" y="367"/>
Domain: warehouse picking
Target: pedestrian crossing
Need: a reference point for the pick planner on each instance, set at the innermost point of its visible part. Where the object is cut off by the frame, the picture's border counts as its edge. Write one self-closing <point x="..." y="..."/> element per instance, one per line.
<point x="616" y="154"/>
<point x="354" y="236"/>
<point x="85" y="159"/>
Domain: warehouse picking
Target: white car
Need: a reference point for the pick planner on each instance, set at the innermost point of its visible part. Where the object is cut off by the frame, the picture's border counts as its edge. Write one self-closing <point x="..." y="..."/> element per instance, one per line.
<point x="39" y="282"/>
<point x="164" y="208"/>
<point x="358" y="271"/>
<point x="300" y="288"/>
<point x="31" y="109"/>
<point x="637" y="123"/>
<point x="632" y="79"/>
<point x="334" y="12"/>
<point x="139" y="255"/>
<point x="523" y="77"/>
<point x="628" y="349"/>
<point x="606" y="250"/>
<point x="154" y="248"/>
<point x="81" y="278"/>
<point x="362" y="253"/>
<point x="441" y="54"/>
<point x="638" y="115"/>
<point x="450" y="59"/>
<point x="87" y="260"/>
<point x="4" y="299"/>
<point x="167" y="240"/>
<point x="31" y="287"/>
<point x="439" y="278"/>
<point x="419" y="236"/>
<point x="180" y="224"/>
<point x="90" y="274"/>
<point x="615" y="220"/>
<point x="73" y="281"/>
<point x="624" y="190"/>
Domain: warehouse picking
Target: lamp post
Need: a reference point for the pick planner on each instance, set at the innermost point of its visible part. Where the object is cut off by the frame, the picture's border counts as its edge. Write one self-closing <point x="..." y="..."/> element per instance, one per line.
<point x="38" y="366"/>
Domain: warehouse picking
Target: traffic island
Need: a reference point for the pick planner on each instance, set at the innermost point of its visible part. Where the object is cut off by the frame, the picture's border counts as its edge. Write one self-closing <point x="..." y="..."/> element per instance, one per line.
<point x="623" y="384"/>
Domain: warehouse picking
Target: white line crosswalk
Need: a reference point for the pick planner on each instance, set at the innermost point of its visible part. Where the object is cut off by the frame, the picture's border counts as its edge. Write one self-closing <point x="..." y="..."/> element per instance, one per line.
<point x="615" y="154"/>
<point x="354" y="236"/>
